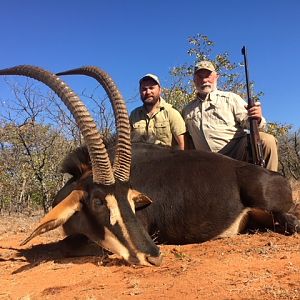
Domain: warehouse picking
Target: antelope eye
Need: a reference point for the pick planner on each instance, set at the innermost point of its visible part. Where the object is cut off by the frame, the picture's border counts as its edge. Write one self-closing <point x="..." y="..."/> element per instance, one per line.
<point x="98" y="201"/>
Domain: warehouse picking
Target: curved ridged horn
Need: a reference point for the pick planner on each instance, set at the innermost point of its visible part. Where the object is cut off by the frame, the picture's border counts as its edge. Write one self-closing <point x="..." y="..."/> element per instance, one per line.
<point x="122" y="159"/>
<point x="102" y="170"/>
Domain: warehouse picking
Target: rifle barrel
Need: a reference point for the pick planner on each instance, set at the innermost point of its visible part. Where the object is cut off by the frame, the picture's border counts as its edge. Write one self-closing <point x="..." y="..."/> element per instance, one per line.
<point x="250" y="101"/>
<point x="256" y="153"/>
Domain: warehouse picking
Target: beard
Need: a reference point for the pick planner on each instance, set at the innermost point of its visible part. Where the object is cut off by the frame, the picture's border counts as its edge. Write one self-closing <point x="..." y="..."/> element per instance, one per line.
<point x="205" y="89"/>
<point x="150" y="101"/>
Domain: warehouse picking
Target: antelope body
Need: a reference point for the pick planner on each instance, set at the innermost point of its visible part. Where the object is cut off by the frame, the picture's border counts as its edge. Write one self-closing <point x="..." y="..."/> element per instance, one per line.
<point x="198" y="196"/>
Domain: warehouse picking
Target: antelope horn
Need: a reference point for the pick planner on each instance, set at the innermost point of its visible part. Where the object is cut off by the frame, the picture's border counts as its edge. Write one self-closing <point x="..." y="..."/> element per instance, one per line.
<point x="122" y="161"/>
<point x="102" y="170"/>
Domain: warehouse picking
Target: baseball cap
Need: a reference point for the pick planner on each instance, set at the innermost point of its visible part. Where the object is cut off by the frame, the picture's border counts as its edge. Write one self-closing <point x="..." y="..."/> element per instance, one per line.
<point x="204" y="64"/>
<point x="152" y="76"/>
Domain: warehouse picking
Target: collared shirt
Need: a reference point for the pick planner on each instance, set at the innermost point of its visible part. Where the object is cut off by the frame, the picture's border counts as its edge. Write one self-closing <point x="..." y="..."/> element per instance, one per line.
<point x="157" y="128"/>
<point x="217" y="120"/>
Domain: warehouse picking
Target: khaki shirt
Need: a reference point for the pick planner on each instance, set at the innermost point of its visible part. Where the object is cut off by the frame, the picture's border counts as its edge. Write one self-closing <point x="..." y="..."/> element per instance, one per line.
<point x="158" y="128"/>
<point x="217" y="120"/>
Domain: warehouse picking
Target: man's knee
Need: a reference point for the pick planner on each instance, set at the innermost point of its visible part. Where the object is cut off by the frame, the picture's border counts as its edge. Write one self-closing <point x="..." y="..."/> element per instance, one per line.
<point x="269" y="144"/>
<point x="268" y="140"/>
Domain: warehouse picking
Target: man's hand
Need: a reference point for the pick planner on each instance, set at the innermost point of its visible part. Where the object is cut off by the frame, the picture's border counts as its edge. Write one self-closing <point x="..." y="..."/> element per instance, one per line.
<point x="255" y="112"/>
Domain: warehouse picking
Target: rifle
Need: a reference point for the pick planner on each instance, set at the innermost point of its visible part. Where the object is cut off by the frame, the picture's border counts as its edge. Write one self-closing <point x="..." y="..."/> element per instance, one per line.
<point x="255" y="147"/>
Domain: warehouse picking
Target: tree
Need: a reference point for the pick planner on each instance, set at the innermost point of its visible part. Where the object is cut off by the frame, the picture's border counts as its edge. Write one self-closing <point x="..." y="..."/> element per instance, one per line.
<point x="30" y="150"/>
<point x="289" y="149"/>
<point x="30" y="159"/>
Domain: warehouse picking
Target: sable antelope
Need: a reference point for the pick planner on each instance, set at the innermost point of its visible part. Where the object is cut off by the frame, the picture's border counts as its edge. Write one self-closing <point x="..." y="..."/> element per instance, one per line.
<point x="101" y="206"/>
<point x="197" y="195"/>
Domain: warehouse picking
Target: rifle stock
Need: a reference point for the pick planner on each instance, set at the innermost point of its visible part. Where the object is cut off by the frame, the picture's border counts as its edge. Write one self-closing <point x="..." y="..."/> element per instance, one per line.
<point x="256" y="153"/>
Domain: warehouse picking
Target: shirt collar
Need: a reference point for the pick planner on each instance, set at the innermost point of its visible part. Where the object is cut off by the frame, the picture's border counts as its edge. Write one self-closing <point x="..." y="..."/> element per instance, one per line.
<point x="162" y="105"/>
<point x="212" y="97"/>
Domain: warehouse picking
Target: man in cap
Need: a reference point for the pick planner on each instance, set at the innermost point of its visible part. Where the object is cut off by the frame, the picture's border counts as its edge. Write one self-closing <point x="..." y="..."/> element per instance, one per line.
<point x="216" y="120"/>
<point x="156" y="121"/>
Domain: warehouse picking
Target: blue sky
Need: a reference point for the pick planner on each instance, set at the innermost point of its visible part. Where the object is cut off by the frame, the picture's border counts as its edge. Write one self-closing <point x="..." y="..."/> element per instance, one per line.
<point x="130" y="38"/>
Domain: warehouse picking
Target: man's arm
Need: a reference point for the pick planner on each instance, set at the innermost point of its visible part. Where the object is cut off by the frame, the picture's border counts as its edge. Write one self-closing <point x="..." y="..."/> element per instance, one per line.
<point x="180" y="141"/>
<point x="242" y="114"/>
<point x="177" y="126"/>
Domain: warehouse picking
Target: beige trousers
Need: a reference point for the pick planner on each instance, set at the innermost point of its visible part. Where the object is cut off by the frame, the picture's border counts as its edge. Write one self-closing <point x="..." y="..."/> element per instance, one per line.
<point x="237" y="149"/>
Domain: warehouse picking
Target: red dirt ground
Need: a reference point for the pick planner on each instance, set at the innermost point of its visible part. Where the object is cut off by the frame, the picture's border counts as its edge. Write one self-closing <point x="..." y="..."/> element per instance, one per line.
<point x="257" y="266"/>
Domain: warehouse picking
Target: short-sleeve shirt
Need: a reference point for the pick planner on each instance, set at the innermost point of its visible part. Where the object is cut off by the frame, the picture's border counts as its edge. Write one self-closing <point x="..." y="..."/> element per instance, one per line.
<point x="159" y="128"/>
<point x="216" y="120"/>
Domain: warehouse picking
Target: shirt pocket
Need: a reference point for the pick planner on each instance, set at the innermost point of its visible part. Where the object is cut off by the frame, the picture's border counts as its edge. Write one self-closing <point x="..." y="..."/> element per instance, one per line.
<point x="162" y="129"/>
<point x="219" y="117"/>
<point x="139" y="127"/>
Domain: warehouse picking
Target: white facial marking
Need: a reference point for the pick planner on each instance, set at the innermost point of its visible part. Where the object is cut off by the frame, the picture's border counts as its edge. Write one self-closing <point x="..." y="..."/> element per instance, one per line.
<point x="112" y="244"/>
<point x="115" y="216"/>
<point x="111" y="241"/>
<point x="112" y="205"/>
<point x="131" y="202"/>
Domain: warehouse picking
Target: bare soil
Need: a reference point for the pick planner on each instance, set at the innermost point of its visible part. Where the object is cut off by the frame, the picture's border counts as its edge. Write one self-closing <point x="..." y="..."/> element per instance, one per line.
<point x="255" y="266"/>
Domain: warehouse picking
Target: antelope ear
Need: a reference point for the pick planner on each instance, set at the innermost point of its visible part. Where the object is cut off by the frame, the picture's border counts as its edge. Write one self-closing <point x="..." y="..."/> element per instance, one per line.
<point x="59" y="215"/>
<point x="140" y="200"/>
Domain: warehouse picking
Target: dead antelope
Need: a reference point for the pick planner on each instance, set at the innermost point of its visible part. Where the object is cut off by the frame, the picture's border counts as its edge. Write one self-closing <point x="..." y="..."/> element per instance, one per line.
<point x="198" y="196"/>
<point x="102" y="204"/>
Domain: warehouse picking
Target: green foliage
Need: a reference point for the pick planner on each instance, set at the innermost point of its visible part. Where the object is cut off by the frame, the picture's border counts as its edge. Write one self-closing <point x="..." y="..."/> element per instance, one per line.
<point x="289" y="149"/>
<point x="30" y="156"/>
<point x="278" y="130"/>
